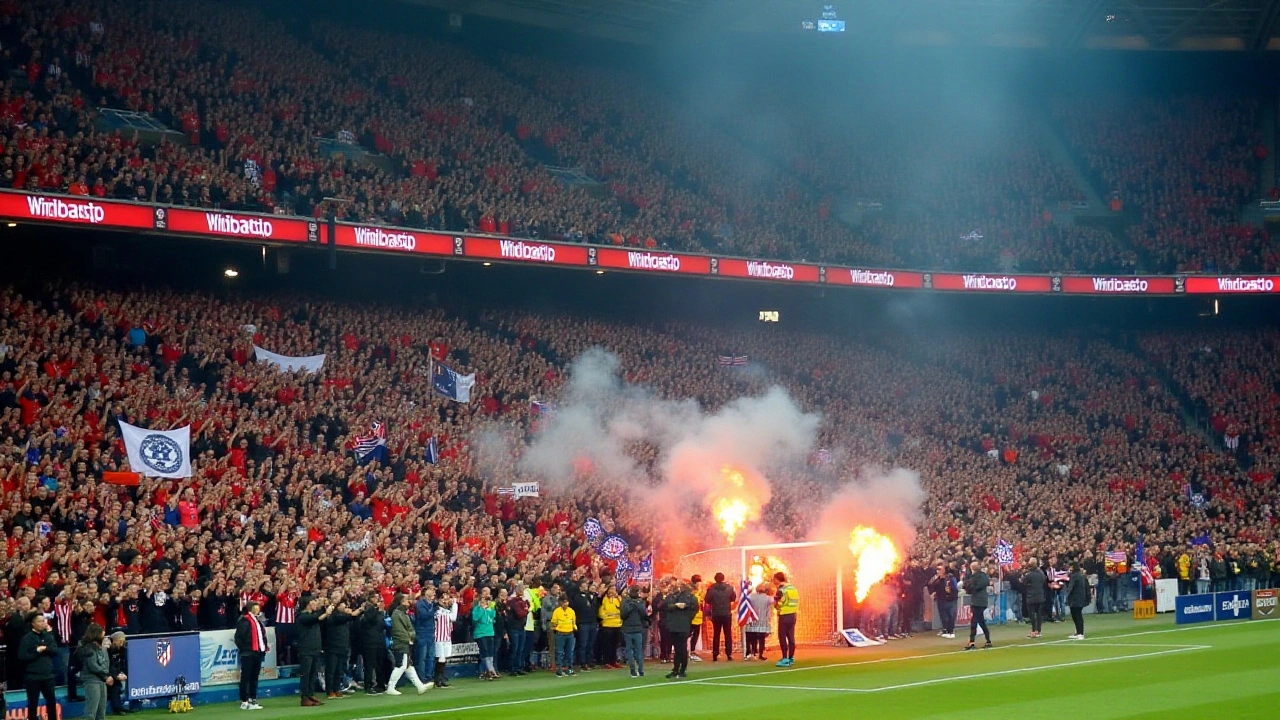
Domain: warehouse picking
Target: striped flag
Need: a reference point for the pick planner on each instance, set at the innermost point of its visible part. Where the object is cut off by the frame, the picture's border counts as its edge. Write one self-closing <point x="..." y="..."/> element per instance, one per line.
<point x="732" y="360"/>
<point x="365" y="445"/>
<point x="746" y="611"/>
<point x="1004" y="552"/>
<point x="1116" y="562"/>
<point x="1140" y="558"/>
<point x="1060" y="576"/>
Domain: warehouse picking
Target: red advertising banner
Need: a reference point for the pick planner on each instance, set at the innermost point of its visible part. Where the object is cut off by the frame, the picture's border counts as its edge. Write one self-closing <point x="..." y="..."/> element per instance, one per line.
<point x="874" y="278"/>
<point x="250" y="227"/>
<point x="649" y="261"/>
<point x="1118" y="285"/>
<point x="74" y="209"/>
<point x="526" y="251"/>
<point x="992" y="283"/>
<point x="365" y="237"/>
<point x="766" y="270"/>
<point x="1241" y="284"/>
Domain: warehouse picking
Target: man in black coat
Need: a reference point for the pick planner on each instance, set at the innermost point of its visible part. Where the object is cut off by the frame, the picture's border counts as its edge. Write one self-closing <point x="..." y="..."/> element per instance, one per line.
<point x="373" y="643"/>
<point x="310" y="645"/>
<point x="15" y="628"/>
<point x="336" y="631"/>
<point x="945" y="590"/>
<point x="976" y="585"/>
<point x="679" y="607"/>
<point x="721" y="596"/>
<point x="251" y="643"/>
<point x="36" y="653"/>
<point x="1077" y="599"/>
<point x="1035" y="584"/>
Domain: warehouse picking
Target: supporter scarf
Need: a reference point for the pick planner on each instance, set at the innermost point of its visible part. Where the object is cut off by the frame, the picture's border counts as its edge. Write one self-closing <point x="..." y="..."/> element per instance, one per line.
<point x="258" y="633"/>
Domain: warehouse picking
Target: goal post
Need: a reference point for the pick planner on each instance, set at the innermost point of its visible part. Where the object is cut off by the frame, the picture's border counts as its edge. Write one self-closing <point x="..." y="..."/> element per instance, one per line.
<point x="808" y="567"/>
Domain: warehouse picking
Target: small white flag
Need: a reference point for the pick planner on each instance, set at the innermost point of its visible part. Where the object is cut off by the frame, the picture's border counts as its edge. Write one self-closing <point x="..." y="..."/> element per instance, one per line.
<point x="158" y="453"/>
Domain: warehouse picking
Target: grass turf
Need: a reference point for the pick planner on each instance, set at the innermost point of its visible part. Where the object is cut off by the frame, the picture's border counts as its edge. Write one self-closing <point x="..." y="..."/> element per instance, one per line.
<point x="1125" y="669"/>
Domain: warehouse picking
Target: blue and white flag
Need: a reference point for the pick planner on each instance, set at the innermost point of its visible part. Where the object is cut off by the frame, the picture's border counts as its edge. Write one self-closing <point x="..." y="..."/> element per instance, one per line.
<point x="1004" y="552"/>
<point x="1197" y="501"/>
<point x="373" y="446"/>
<point x="432" y="453"/>
<point x="450" y="384"/>
<point x="644" y="570"/>
<point x="158" y="453"/>
<point x="746" y="611"/>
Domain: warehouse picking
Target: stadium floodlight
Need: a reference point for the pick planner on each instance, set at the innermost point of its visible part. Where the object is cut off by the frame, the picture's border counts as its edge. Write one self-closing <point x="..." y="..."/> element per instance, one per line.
<point x="231" y="272"/>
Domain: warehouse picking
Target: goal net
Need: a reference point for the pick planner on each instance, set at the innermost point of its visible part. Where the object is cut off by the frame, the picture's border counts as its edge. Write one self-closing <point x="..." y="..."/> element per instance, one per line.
<point x="807" y="567"/>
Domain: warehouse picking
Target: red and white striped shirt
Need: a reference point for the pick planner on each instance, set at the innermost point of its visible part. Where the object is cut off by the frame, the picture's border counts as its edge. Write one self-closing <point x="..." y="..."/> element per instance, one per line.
<point x="62" y="620"/>
<point x="286" y="608"/>
<point x="444" y="623"/>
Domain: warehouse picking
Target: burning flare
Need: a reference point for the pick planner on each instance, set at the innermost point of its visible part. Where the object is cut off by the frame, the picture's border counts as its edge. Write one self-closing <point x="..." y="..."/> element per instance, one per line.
<point x="732" y="504"/>
<point x="876" y="556"/>
<point x="763" y="568"/>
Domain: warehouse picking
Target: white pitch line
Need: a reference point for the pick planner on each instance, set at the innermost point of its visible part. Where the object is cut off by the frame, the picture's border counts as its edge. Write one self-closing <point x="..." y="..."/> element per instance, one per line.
<point x="728" y="682"/>
<point x="628" y="688"/>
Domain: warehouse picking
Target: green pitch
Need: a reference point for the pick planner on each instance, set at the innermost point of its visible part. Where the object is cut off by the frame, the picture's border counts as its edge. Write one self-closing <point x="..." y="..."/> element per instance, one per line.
<point x="1124" y="669"/>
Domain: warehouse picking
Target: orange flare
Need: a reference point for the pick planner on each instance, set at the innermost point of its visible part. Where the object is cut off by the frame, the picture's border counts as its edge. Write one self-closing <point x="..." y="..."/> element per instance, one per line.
<point x="876" y="556"/>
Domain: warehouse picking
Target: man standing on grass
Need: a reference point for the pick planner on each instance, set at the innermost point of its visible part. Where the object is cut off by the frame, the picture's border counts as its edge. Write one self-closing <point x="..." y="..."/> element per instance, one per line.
<point x="944" y="588"/>
<point x="679" y="607"/>
<point x="721" y="597"/>
<point x="788" y="604"/>
<point x="251" y="644"/>
<point x="564" y="623"/>
<point x="1035" y="583"/>
<point x="1077" y="599"/>
<point x="976" y="586"/>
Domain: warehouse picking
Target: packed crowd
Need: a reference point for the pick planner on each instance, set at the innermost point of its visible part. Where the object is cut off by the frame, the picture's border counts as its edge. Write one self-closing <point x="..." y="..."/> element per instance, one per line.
<point x="1184" y="167"/>
<point x="466" y="147"/>
<point x="1067" y="446"/>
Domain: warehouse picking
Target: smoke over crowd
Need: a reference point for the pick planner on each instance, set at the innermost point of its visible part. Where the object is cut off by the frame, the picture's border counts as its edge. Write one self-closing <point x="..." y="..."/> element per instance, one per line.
<point x="702" y="478"/>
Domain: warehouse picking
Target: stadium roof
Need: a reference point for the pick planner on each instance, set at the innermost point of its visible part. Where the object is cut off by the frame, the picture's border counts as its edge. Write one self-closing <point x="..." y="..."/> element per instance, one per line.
<point x="1216" y="25"/>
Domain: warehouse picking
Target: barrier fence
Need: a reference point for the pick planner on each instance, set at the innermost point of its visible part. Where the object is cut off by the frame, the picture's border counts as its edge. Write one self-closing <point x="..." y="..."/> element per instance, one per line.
<point x="285" y="231"/>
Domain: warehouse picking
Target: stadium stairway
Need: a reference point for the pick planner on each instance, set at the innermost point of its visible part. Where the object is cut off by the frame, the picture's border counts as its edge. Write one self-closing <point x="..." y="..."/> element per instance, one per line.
<point x="1192" y="416"/>
<point x="1057" y="148"/>
<point x="1267" y="178"/>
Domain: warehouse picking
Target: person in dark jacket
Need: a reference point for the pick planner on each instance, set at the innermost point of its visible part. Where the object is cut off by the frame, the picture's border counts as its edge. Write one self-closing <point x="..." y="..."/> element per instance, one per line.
<point x="373" y="643"/>
<point x="585" y="602"/>
<point x="424" y="630"/>
<point x="336" y="632"/>
<point x="721" y="596"/>
<point x="119" y="661"/>
<point x="635" y="621"/>
<point x="1077" y="599"/>
<point x="680" y="606"/>
<point x="310" y="646"/>
<point x="1035" y="584"/>
<point x="402" y="640"/>
<point x="945" y="590"/>
<point x="976" y="586"/>
<point x="15" y="628"/>
<point x="95" y="669"/>
<point x="36" y="653"/>
<point x="251" y="644"/>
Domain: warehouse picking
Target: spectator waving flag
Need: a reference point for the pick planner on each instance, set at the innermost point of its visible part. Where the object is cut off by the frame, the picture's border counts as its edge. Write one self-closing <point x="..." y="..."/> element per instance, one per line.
<point x="446" y="381"/>
<point x="746" y="612"/>
<point x="158" y="453"/>
<point x="432" y="453"/>
<point x="1140" y="558"/>
<point x="373" y="446"/>
<point x="1004" y="552"/>
<point x="644" y="570"/>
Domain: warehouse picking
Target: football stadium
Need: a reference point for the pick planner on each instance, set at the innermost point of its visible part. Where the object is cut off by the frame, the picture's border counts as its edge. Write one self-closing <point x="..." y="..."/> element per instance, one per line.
<point x="479" y="358"/>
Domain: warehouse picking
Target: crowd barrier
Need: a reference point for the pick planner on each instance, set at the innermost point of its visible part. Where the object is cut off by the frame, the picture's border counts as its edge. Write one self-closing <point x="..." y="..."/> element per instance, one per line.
<point x="281" y="230"/>
<point x="1224" y="606"/>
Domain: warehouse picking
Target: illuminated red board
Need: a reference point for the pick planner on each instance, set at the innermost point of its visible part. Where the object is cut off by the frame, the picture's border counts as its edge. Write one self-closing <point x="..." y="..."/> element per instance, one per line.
<point x="768" y="270"/>
<point x="649" y="261"/>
